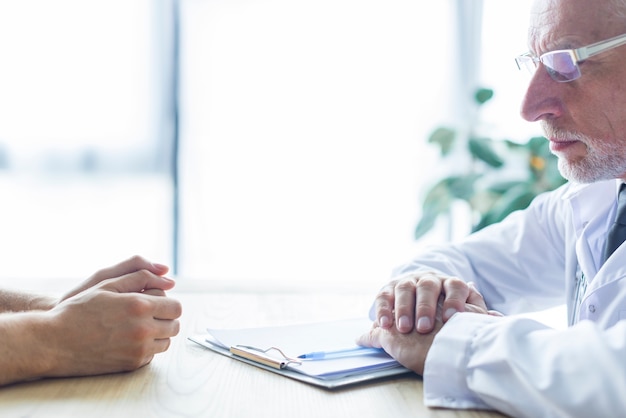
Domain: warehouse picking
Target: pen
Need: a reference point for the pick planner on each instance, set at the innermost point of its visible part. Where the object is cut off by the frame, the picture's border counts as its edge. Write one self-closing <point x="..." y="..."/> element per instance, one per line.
<point x="327" y="355"/>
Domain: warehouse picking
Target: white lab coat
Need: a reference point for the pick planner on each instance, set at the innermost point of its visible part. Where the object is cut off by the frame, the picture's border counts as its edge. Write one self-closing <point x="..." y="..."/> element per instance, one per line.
<point x="532" y="261"/>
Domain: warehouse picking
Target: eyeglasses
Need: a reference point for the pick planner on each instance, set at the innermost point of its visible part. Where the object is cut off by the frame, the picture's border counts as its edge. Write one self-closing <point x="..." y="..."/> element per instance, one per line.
<point x="562" y="65"/>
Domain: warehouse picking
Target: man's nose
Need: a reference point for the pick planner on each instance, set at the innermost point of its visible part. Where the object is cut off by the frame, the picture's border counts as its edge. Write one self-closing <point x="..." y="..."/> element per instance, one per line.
<point x="542" y="99"/>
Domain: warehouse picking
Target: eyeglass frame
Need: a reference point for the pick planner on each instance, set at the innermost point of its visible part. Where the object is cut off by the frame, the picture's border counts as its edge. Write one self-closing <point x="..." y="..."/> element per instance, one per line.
<point x="577" y="55"/>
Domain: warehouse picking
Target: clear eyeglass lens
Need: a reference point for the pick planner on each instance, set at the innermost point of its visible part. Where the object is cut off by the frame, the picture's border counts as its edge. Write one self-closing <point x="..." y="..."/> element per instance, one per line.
<point x="561" y="65"/>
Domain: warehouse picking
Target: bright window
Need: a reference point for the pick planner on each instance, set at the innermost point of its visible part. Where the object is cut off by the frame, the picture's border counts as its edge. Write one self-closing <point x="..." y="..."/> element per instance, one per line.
<point x="84" y="168"/>
<point x="303" y="132"/>
<point x="505" y="30"/>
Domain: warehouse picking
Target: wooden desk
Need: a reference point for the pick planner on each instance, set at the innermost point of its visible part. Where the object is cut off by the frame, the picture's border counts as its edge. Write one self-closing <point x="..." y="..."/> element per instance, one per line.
<point x="190" y="381"/>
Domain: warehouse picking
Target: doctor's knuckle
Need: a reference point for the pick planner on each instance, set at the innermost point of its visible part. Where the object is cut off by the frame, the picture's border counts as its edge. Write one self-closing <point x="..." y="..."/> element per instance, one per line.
<point x="429" y="284"/>
<point x="385" y="293"/>
<point x="382" y="306"/>
<point x="405" y="286"/>
<point x="455" y="282"/>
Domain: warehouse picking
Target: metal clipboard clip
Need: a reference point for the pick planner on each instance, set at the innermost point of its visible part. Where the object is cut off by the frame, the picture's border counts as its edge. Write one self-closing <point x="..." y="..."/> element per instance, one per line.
<point x="261" y="356"/>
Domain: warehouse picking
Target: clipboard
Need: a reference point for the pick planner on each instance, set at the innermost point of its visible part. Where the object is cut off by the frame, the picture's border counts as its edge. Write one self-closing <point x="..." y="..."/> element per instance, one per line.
<point x="282" y="358"/>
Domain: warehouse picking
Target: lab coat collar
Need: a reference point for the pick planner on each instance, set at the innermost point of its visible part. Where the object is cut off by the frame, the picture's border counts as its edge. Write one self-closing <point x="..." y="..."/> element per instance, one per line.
<point x="592" y="202"/>
<point x="592" y="206"/>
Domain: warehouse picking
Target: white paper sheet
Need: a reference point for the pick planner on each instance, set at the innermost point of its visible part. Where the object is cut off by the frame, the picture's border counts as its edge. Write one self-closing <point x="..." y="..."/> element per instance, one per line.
<point x="295" y="340"/>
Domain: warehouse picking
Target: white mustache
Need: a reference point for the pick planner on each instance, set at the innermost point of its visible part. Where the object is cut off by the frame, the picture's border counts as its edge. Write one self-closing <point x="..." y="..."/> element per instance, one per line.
<point x="559" y="134"/>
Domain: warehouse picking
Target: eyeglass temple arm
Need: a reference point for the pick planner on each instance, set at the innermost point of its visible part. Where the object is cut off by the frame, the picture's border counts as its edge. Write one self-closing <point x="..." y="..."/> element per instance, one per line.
<point x="588" y="51"/>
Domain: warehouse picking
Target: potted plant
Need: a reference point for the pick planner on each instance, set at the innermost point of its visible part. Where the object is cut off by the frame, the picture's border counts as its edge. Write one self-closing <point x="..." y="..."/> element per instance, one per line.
<point x="492" y="184"/>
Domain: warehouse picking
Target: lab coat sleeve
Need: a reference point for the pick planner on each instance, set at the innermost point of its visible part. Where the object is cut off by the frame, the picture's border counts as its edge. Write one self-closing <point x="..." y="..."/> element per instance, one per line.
<point x="523" y="368"/>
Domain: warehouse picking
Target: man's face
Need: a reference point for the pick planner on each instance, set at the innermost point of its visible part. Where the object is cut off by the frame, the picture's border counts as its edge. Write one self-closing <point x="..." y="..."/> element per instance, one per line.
<point x="584" y="119"/>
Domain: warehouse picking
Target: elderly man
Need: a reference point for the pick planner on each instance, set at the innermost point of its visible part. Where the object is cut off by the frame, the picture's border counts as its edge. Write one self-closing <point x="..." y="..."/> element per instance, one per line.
<point x="115" y="321"/>
<point x="559" y="250"/>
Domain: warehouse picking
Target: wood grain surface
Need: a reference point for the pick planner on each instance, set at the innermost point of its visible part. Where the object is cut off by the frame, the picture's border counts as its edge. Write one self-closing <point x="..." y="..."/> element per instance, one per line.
<point x="190" y="381"/>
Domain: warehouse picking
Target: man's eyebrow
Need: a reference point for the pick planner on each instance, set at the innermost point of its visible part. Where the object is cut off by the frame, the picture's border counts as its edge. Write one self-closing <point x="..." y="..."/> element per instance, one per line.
<point x="558" y="45"/>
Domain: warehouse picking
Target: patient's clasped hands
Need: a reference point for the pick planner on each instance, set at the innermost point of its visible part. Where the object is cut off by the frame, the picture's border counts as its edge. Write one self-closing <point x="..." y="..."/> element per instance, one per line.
<point x="115" y="321"/>
<point x="122" y="318"/>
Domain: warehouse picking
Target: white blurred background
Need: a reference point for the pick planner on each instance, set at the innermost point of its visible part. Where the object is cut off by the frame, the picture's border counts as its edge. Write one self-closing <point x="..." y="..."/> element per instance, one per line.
<point x="237" y="139"/>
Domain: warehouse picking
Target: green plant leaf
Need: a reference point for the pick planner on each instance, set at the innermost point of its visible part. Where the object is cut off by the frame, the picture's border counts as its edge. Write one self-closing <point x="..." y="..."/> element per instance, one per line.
<point x="483" y="95"/>
<point x="461" y="187"/>
<point x="538" y="145"/>
<point x="516" y="198"/>
<point x="482" y="149"/>
<point x="552" y="176"/>
<point x="514" y="145"/>
<point x="501" y="187"/>
<point x="437" y="201"/>
<point x="425" y="224"/>
<point x="444" y="137"/>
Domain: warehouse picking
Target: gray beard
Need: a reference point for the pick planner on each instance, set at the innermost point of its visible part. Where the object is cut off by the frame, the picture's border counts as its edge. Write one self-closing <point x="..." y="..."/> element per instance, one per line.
<point x="604" y="161"/>
<point x="598" y="165"/>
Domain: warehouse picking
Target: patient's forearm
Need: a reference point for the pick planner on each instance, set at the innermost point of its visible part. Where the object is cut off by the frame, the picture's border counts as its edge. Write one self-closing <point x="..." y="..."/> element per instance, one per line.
<point x="13" y="301"/>
<point x="22" y="342"/>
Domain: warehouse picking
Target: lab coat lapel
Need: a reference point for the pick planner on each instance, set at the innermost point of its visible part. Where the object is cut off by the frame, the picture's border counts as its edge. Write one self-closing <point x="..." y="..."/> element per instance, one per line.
<point x="599" y="223"/>
<point x="591" y="204"/>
